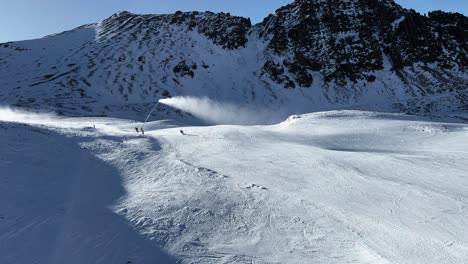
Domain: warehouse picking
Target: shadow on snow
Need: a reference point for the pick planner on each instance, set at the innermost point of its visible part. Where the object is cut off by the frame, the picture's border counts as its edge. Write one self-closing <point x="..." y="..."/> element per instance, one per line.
<point x="55" y="200"/>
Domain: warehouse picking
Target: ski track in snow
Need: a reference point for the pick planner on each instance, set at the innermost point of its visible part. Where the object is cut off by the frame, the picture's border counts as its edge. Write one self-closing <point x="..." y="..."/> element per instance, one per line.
<point x="331" y="187"/>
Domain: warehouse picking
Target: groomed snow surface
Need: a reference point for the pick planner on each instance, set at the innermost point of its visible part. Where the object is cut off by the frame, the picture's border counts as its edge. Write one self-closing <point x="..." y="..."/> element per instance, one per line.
<point x="329" y="187"/>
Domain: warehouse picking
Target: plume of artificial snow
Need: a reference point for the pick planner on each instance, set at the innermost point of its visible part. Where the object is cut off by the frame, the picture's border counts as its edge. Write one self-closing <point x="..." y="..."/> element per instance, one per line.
<point x="222" y="113"/>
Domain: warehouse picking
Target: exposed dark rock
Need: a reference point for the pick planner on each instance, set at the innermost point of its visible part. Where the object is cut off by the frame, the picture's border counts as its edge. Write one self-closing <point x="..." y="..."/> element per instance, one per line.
<point x="345" y="40"/>
<point x="183" y="70"/>
<point x="276" y="72"/>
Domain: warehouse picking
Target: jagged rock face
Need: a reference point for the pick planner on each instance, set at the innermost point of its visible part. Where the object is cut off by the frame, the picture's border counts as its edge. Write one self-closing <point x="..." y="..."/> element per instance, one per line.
<point x="347" y="40"/>
<point x="311" y="55"/>
<point x="437" y="38"/>
<point x="451" y="32"/>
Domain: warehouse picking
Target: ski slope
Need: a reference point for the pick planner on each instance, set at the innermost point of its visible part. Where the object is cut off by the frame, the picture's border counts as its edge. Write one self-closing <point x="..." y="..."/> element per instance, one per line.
<point x="329" y="187"/>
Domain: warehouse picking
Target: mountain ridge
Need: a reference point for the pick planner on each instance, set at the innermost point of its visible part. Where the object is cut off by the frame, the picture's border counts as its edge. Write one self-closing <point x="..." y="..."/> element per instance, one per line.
<point x="308" y="56"/>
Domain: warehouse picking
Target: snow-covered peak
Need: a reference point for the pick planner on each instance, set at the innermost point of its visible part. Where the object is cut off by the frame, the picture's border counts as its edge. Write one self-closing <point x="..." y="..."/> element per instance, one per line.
<point x="310" y="55"/>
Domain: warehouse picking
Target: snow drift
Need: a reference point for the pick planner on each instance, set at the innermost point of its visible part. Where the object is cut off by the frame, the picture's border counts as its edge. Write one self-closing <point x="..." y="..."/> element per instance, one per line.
<point x="19" y="115"/>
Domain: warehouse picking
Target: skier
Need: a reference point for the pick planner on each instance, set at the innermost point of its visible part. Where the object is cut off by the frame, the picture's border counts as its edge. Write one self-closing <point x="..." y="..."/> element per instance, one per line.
<point x="136" y="128"/>
<point x="182" y="132"/>
<point x="142" y="131"/>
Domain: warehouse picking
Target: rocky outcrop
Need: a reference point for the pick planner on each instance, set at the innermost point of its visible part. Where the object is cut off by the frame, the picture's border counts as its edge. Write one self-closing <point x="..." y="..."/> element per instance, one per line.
<point x="183" y="70"/>
<point x="349" y="40"/>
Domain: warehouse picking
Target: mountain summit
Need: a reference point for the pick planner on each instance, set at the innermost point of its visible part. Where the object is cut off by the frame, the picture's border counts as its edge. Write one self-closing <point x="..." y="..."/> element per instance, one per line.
<point x="350" y="40"/>
<point x="310" y="55"/>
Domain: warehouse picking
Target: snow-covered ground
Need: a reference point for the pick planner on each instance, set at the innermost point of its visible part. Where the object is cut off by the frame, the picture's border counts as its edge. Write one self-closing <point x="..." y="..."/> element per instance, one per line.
<point x="329" y="187"/>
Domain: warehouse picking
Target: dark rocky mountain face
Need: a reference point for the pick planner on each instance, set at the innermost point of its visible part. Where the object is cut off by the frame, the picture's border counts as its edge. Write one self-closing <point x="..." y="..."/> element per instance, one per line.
<point x="347" y="40"/>
<point x="310" y="55"/>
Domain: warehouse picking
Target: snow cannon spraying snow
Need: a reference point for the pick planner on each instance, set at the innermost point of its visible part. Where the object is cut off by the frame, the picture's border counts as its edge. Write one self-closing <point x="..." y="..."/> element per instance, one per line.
<point x="152" y="110"/>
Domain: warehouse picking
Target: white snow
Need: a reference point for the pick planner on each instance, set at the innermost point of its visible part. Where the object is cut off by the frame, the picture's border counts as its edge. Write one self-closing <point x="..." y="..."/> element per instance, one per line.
<point x="396" y="23"/>
<point x="329" y="187"/>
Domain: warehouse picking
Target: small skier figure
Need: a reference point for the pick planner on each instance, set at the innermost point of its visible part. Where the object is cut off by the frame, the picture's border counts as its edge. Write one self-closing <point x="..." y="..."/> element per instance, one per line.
<point x="182" y="132"/>
<point x="142" y="131"/>
<point x="136" y="128"/>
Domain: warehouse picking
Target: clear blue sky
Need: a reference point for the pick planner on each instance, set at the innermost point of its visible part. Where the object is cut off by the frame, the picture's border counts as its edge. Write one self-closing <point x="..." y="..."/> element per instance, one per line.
<point x="27" y="19"/>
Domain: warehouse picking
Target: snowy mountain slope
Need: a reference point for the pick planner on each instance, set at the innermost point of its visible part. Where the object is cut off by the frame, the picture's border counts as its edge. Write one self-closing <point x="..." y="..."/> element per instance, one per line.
<point x="330" y="187"/>
<point x="311" y="55"/>
<point x="54" y="203"/>
<point x="368" y="51"/>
